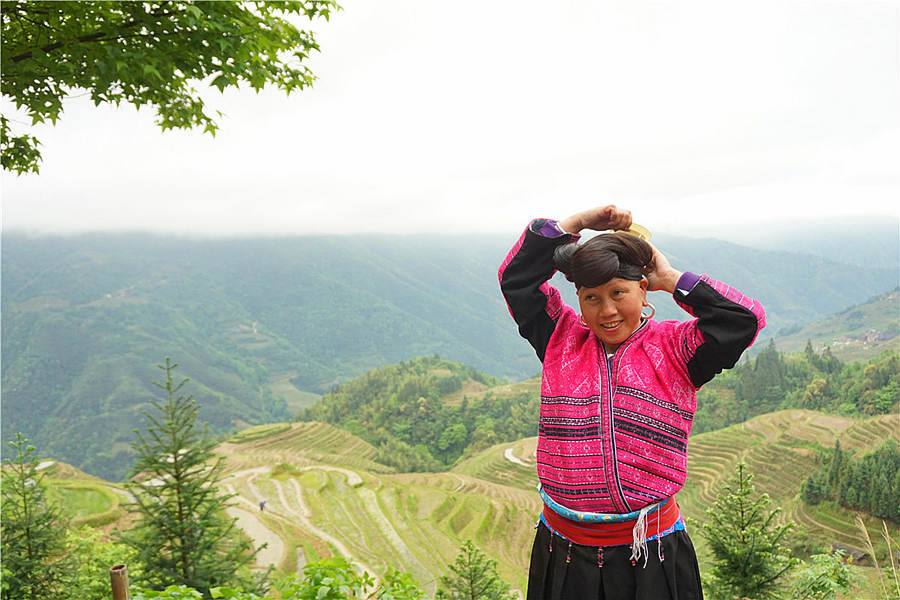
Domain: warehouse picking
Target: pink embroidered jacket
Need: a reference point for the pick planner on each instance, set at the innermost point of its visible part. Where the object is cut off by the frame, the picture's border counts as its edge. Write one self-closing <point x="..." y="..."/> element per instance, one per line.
<point x="613" y="433"/>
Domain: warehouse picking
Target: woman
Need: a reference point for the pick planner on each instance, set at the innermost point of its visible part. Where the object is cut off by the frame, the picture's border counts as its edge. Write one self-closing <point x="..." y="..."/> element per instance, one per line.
<point x="618" y="395"/>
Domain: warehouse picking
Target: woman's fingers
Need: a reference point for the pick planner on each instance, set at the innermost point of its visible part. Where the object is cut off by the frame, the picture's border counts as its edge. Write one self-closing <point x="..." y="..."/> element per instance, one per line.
<point x="609" y="217"/>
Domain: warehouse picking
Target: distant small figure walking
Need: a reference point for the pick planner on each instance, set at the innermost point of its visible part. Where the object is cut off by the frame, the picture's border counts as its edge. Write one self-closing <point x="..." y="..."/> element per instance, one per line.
<point x="262" y="505"/>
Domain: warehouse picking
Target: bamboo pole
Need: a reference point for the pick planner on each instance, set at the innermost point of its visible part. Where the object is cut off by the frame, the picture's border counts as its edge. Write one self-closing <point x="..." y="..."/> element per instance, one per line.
<point x="118" y="578"/>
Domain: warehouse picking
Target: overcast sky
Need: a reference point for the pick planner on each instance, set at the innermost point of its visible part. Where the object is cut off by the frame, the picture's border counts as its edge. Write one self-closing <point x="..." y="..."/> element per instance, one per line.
<point x="460" y="117"/>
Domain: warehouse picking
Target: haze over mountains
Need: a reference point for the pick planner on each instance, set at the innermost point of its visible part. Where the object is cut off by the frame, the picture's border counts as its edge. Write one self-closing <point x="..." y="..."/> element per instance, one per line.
<point x="86" y="318"/>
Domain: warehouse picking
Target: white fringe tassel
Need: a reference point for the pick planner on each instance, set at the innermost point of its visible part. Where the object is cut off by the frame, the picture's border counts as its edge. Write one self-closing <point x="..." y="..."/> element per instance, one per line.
<point x="639" y="536"/>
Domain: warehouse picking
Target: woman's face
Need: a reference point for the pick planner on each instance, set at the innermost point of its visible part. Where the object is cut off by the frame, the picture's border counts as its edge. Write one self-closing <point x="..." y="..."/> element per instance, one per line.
<point x="613" y="310"/>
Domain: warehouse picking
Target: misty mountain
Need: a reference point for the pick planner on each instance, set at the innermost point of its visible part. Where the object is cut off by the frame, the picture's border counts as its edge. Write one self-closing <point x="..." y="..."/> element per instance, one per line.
<point x="86" y="319"/>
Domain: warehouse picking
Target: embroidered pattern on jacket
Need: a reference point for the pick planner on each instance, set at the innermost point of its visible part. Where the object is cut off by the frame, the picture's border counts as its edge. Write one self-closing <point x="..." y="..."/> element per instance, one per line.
<point x="647" y="397"/>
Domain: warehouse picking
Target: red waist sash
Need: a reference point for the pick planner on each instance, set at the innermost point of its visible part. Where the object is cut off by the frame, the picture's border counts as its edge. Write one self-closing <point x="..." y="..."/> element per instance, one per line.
<point x="611" y="534"/>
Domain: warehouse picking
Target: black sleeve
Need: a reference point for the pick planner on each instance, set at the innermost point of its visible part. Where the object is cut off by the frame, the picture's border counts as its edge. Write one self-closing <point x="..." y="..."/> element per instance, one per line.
<point x="534" y="304"/>
<point x="727" y="324"/>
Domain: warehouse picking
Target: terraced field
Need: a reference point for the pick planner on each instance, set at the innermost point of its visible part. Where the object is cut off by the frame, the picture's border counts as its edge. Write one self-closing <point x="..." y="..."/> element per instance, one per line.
<point x="779" y="449"/>
<point x="323" y="483"/>
<point x="325" y="494"/>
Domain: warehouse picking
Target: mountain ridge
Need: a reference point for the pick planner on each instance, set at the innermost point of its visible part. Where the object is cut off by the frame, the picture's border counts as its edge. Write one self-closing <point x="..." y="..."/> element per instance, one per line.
<point x="85" y="319"/>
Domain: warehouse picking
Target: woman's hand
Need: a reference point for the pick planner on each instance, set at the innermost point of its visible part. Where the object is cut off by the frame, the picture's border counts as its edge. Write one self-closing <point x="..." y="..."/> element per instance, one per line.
<point x="601" y="218"/>
<point x="660" y="274"/>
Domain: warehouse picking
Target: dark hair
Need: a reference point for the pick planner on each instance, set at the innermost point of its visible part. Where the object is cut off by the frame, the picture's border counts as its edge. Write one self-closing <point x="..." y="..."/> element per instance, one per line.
<point x="603" y="257"/>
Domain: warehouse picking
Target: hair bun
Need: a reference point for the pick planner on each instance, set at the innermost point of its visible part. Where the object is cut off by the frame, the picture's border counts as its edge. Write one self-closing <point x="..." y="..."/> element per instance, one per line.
<point x="562" y="258"/>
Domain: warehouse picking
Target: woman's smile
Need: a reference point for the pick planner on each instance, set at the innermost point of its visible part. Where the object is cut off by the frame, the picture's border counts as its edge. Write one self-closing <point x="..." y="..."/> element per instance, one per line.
<point x="613" y="310"/>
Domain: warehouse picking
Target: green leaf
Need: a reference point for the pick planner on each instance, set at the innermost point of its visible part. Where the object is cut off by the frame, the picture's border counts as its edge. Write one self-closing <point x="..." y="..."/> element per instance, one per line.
<point x="186" y="41"/>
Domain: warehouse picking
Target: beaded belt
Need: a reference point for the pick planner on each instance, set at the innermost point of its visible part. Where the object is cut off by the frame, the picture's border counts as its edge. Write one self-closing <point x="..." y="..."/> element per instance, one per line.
<point x="599" y="529"/>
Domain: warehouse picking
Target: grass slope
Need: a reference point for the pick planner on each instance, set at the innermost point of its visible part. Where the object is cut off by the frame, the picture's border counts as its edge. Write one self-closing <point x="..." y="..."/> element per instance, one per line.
<point x="858" y="333"/>
<point x="325" y="494"/>
<point x="254" y="321"/>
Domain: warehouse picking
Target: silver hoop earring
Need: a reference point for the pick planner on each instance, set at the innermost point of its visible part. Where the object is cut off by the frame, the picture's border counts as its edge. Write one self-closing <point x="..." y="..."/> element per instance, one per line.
<point x="652" y="312"/>
<point x="581" y="320"/>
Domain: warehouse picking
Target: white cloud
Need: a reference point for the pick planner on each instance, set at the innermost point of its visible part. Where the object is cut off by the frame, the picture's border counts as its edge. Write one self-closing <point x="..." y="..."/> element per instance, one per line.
<point x="440" y="116"/>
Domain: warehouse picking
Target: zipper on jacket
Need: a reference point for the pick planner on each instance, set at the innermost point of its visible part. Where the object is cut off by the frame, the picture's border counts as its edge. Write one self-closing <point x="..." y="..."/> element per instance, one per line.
<point x="617" y="496"/>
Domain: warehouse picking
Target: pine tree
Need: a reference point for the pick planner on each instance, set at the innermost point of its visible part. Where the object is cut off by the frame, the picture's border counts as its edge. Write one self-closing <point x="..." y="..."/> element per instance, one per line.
<point x="474" y="578"/>
<point x="183" y="536"/>
<point x="749" y="556"/>
<point x="836" y="469"/>
<point x="32" y="531"/>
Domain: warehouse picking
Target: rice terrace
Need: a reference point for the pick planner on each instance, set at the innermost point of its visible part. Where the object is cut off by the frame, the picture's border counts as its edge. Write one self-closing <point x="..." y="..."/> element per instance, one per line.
<point x="325" y="495"/>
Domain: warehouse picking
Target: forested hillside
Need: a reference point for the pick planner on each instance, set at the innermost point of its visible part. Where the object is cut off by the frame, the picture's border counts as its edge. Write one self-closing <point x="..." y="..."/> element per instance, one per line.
<point x="262" y="325"/>
<point x="818" y="381"/>
<point x="424" y="414"/>
<point x="855" y="333"/>
<point x="326" y="494"/>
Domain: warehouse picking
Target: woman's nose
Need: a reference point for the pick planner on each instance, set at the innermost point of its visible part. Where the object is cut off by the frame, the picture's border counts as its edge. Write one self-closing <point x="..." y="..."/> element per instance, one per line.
<point x="607" y="309"/>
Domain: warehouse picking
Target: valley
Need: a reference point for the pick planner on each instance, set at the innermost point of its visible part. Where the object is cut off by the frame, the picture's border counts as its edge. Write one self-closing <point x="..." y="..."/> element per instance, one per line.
<point x="326" y="495"/>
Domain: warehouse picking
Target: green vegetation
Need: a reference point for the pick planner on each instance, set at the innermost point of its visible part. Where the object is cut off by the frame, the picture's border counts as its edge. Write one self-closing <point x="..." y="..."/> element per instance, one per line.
<point x="824" y="577"/>
<point x="261" y="324"/>
<point x="750" y="555"/>
<point x="84" y="319"/>
<point x="419" y="417"/>
<point x="35" y="564"/>
<point x="774" y="381"/>
<point x="321" y="484"/>
<point x="870" y="484"/>
<point x="145" y="53"/>
<point x="258" y="432"/>
<point x="182" y="536"/>
<point x="474" y="578"/>
<point x="781" y="449"/>
<point x="859" y="332"/>
<point x="91" y="559"/>
<point x="335" y="579"/>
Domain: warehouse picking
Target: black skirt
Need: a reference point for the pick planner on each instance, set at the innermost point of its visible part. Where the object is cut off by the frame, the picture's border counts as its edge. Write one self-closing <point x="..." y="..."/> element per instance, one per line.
<point x="563" y="571"/>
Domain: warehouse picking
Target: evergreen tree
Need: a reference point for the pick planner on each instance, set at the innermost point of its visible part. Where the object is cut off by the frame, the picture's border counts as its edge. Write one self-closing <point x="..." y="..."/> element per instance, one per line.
<point x="474" y="578"/>
<point x="815" y="488"/>
<point x="32" y="531"/>
<point x="829" y="363"/>
<point x="769" y="372"/>
<point x="182" y="536"/>
<point x="836" y="470"/>
<point x="749" y="555"/>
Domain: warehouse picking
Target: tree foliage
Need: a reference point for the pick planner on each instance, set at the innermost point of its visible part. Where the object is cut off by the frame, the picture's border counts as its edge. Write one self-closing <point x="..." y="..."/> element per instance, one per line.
<point x="825" y="577"/>
<point x="775" y="381"/>
<point x="335" y="579"/>
<point x="870" y="484"/>
<point x="750" y="556"/>
<point x="35" y="564"/>
<point x="92" y="557"/>
<point x="403" y="411"/>
<point x="145" y="53"/>
<point x="182" y="536"/>
<point x="474" y="578"/>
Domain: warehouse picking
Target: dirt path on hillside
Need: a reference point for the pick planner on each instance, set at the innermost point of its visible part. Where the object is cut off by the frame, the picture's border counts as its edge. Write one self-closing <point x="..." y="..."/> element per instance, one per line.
<point x="259" y="535"/>
<point x="353" y="478"/>
<point x="370" y="502"/>
<point x="511" y="457"/>
<point x="303" y="516"/>
<point x="128" y="495"/>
